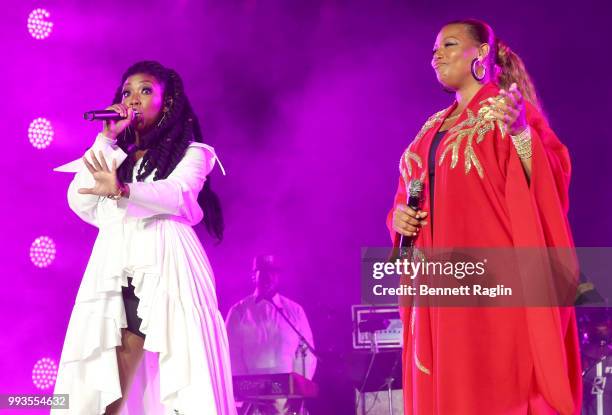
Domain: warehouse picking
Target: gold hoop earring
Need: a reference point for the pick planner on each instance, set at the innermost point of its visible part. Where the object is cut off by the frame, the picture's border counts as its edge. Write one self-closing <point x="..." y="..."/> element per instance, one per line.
<point x="475" y="74"/>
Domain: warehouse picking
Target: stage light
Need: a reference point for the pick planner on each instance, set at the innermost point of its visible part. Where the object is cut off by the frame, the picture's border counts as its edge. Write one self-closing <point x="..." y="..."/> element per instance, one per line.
<point x="42" y="251"/>
<point x="38" y="26"/>
<point x="44" y="373"/>
<point x="40" y="133"/>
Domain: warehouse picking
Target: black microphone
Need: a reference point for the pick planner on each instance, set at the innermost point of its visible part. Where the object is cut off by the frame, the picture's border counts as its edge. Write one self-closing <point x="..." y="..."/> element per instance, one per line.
<point x="105" y="115"/>
<point x="415" y="193"/>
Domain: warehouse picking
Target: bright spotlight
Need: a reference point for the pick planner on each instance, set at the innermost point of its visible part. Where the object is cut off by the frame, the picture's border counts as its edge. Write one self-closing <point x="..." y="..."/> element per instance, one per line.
<point x="38" y="25"/>
<point x="40" y="133"/>
<point x="42" y="251"/>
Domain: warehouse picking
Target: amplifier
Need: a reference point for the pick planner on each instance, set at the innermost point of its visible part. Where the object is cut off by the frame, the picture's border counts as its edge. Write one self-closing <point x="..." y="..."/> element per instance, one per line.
<point x="389" y="338"/>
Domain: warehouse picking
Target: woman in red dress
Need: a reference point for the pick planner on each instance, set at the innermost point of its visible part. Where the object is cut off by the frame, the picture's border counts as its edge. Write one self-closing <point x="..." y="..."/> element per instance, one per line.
<point x="498" y="177"/>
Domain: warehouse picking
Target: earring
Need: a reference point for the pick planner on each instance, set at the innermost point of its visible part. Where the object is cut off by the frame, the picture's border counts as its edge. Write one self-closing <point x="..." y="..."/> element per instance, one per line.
<point x="162" y="118"/>
<point x="475" y="74"/>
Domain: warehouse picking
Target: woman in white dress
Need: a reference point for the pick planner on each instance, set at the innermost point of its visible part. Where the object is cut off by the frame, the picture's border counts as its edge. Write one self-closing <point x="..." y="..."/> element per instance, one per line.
<point x="148" y="284"/>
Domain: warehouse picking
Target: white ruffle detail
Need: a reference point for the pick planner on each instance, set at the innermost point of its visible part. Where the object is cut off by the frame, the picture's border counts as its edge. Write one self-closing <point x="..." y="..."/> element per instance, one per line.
<point x="179" y="313"/>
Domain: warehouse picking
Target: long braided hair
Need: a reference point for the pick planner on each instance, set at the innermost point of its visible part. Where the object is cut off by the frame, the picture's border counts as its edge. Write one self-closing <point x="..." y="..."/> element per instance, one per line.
<point x="506" y="66"/>
<point x="167" y="142"/>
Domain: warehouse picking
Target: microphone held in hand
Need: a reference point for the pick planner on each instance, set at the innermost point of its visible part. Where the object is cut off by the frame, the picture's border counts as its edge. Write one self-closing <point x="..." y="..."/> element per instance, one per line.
<point x="105" y="115"/>
<point x="415" y="197"/>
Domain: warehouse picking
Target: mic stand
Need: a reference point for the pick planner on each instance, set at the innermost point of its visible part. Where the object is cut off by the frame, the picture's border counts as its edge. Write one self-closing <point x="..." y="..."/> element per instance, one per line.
<point x="372" y="327"/>
<point x="303" y="340"/>
<point x="374" y="352"/>
<point x="303" y="350"/>
<point x="389" y="384"/>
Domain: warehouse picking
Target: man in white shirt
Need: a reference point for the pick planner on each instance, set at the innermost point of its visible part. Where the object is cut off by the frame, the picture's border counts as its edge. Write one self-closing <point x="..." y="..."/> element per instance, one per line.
<point x="260" y="339"/>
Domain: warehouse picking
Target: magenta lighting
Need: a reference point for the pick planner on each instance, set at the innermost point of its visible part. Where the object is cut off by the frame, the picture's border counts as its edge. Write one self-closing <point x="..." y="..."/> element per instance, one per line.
<point x="40" y="133"/>
<point x="38" y="27"/>
<point x="42" y="251"/>
<point x="44" y="373"/>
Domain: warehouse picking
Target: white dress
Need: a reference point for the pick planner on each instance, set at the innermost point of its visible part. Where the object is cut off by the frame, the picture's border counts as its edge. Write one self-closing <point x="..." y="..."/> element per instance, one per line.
<point x="148" y="237"/>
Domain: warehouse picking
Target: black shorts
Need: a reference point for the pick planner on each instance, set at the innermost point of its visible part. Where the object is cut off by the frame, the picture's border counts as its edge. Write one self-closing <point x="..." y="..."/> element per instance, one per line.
<point x="130" y="302"/>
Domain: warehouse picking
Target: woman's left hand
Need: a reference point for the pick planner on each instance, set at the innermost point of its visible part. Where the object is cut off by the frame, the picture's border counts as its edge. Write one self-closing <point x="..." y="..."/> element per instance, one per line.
<point x="106" y="178"/>
<point x="509" y="108"/>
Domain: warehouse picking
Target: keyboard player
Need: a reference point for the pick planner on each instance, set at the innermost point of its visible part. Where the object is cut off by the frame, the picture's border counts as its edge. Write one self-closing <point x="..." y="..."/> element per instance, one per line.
<point x="261" y="341"/>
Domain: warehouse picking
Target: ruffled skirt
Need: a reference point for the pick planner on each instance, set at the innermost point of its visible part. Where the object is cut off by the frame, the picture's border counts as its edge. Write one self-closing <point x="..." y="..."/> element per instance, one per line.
<point x="180" y="318"/>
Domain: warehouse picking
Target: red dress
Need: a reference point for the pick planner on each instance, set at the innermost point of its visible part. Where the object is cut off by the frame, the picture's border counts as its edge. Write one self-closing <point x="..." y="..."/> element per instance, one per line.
<point x="490" y="360"/>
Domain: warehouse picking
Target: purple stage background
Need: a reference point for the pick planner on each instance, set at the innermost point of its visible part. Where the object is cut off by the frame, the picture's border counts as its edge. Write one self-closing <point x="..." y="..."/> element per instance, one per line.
<point x="309" y="105"/>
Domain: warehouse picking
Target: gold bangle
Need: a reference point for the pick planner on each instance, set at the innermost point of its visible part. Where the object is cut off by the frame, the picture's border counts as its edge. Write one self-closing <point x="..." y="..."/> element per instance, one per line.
<point x="522" y="143"/>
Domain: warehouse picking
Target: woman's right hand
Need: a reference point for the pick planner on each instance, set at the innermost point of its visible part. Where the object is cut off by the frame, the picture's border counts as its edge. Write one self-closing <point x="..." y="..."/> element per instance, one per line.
<point x="407" y="221"/>
<point x="113" y="128"/>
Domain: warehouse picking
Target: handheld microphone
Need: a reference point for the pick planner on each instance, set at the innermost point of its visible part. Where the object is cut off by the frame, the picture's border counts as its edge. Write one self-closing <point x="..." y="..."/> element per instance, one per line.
<point x="105" y="115"/>
<point x="415" y="192"/>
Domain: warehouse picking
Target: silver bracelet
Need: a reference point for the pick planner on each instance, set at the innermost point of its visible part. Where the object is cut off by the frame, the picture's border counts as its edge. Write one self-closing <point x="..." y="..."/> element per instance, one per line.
<point x="120" y="193"/>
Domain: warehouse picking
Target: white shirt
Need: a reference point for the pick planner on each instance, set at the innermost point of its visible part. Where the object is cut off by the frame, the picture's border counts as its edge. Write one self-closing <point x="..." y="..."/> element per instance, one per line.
<point x="262" y="342"/>
<point x="175" y="197"/>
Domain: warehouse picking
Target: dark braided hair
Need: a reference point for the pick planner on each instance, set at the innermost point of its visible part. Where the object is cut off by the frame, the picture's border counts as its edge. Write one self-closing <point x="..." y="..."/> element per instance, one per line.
<point x="167" y="142"/>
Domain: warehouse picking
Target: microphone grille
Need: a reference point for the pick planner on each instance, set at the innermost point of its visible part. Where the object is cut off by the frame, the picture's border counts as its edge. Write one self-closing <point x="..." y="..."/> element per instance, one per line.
<point x="415" y="188"/>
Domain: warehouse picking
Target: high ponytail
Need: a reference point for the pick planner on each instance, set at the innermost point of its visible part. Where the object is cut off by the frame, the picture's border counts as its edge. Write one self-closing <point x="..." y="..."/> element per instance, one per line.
<point x="511" y="69"/>
<point x="507" y="67"/>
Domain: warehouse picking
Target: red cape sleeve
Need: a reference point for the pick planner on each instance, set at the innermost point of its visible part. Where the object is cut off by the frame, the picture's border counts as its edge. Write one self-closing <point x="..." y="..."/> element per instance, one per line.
<point x="538" y="216"/>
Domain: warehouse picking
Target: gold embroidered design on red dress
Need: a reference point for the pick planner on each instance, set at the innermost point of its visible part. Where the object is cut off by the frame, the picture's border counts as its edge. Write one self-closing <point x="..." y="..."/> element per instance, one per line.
<point x="471" y="130"/>
<point x="405" y="164"/>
